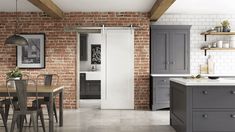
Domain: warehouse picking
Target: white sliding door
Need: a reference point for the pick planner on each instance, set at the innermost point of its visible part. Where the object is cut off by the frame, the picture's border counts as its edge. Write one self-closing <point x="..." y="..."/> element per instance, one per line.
<point x="117" y="88"/>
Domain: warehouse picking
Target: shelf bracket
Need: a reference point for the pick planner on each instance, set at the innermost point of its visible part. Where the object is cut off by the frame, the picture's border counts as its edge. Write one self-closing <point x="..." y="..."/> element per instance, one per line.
<point x="205" y="50"/>
<point x="205" y="37"/>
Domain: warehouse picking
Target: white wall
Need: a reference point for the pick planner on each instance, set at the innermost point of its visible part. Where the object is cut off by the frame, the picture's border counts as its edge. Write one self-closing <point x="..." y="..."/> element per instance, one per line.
<point x="92" y="39"/>
<point x="224" y="60"/>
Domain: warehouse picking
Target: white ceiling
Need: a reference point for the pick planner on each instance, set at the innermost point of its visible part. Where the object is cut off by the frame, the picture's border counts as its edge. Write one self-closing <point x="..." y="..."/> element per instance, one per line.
<point x="85" y="5"/>
<point x="203" y="7"/>
<point x="179" y="7"/>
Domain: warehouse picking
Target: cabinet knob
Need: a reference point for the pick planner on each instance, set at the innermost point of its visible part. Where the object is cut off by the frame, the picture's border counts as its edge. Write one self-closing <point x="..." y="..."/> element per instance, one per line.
<point x="232" y="115"/>
<point x="232" y="92"/>
<point x="172" y="62"/>
<point x="205" y="92"/>
<point x="205" y="116"/>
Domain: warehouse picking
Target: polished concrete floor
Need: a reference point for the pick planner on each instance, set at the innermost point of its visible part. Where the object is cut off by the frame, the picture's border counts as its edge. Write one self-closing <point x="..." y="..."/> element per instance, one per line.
<point x="89" y="118"/>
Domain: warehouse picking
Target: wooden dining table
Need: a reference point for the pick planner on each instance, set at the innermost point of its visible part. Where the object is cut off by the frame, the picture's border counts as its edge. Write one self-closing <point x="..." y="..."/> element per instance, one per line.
<point x="43" y="91"/>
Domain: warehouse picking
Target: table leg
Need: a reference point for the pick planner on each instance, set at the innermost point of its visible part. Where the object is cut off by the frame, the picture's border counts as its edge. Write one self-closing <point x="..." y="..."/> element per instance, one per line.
<point x="61" y="108"/>
<point x="51" y="118"/>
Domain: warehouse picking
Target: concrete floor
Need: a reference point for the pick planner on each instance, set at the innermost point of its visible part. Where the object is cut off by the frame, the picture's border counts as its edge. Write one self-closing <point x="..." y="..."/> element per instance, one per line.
<point x="89" y="118"/>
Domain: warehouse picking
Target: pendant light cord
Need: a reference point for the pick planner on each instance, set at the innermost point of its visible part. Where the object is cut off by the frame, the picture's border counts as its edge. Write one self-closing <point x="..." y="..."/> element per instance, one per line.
<point x="16" y="22"/>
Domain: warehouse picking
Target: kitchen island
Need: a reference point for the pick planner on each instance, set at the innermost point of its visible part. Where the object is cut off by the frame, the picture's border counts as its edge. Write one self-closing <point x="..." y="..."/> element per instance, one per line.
<point x="202" y="105"/>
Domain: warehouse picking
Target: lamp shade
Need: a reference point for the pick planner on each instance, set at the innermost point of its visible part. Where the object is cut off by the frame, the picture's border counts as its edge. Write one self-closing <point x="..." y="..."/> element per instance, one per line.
<point x="16" y="40"/>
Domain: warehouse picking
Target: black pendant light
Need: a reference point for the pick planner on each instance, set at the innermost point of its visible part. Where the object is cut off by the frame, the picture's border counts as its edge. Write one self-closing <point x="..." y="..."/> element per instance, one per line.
<point x="16" y="40"/>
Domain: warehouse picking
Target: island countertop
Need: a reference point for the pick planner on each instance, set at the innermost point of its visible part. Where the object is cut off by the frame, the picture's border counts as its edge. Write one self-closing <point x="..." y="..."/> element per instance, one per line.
<point x="205" y="81"/>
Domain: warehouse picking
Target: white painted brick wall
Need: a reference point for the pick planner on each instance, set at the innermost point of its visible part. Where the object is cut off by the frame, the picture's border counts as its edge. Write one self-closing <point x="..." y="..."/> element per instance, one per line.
<point x="224" y="60"/>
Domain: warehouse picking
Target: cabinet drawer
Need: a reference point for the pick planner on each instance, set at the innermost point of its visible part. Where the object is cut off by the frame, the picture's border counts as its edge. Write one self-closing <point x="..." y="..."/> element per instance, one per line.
<point x="213" y="121"/>
<point x="162" y="81"/>
<point x="163" y="95"/>
<point x="214" y="97"/>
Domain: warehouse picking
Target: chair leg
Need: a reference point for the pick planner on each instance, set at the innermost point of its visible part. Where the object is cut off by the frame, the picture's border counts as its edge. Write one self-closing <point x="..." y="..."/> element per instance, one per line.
<point x="21" y="122"/>
<point x="14" y="119"/>
<point x="4" y="121"/>
<point x="55" y="112"/>
<point x="42" y="121"/>
<point x="35" y="121"/>
<point x="7" y="107"/>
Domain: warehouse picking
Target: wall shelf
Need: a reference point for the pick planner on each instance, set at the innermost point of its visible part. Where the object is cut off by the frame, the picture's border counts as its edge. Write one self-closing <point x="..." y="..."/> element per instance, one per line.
<point x="217" y="33"/>
<point x="206" y="49"/>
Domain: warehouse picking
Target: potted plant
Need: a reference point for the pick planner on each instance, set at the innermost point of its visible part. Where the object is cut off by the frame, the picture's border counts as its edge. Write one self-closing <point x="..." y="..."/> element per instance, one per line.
<point x="14" y="74"/>
<point x="226" y="26"/>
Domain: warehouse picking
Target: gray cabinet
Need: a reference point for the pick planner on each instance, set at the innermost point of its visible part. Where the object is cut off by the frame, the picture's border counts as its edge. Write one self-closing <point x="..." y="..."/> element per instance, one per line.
<point x="83" y="47"/>
<point x="202" y="108"/>
<point x="170" y="47"/>
<point x="89" y="89"/>
<point x="160" y="93"/>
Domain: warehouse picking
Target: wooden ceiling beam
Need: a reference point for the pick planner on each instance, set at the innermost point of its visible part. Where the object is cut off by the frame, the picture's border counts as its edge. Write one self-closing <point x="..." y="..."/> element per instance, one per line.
<point x="49" y="7"/>
<point x="159" y="8"/>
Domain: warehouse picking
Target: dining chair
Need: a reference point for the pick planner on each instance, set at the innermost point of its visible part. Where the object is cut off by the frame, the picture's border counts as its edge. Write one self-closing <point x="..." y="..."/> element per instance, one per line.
<point x="2" y="112"/>
<point x="47" y="80"/>
<point x="21" y="109"/>
<point x="7" y="102"/>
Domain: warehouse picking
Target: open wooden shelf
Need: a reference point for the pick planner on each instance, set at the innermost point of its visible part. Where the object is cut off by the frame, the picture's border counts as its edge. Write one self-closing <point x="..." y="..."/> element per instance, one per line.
<point x="218" y="48"/>
<point x="205" y="49"/>
<point x="217" y="33"/>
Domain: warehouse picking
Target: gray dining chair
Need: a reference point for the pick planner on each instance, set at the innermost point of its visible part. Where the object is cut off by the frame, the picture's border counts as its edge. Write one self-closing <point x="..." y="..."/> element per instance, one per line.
<point x="47" y="80"/>
<point x="21" y="109"/>
<point x="2" y="112"/>
<point x="7" y="102"/>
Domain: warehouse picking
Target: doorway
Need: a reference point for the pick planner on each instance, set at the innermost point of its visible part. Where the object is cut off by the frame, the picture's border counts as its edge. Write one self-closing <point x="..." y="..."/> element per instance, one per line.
<point x="106" y="69"/>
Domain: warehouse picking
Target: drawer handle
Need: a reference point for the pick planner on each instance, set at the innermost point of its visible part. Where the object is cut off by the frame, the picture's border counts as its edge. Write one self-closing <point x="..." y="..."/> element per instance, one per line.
<point x="164" y="80"/>
<point x="232" y="92"/>
<point x="205" y="92"/>
<point x="233" y="116"/>
<point x="205" y="116"/>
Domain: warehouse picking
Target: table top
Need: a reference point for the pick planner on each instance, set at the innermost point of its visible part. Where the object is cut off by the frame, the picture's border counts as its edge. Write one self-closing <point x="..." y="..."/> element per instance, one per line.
<point x="40" y="89"/>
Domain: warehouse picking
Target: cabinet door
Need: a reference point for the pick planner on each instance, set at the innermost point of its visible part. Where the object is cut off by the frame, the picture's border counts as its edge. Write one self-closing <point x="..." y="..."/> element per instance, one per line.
<point x="179" y="51"/>
<point x="93" y="89"/>
<point x="159" y="51"/>
<point x="83" y="47"/>
<point x="82" y="85"/>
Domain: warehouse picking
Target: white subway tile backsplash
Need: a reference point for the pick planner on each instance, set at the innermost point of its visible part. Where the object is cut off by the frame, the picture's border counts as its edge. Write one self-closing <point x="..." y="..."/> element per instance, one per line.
<point x="224" y="60"/>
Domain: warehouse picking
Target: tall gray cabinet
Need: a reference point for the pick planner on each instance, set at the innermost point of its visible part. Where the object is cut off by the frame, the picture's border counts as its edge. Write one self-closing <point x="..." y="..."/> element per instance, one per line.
<point x="170" y="54"/>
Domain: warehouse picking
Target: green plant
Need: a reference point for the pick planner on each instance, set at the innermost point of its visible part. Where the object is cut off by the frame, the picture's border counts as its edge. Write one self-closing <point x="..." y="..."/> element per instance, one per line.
<point x="225" y="23"/>
<point x="14" y="73"/>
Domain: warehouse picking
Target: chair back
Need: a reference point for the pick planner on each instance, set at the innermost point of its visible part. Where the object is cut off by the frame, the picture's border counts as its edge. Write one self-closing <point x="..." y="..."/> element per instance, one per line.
<point x="21" y="92"/>
<point x="47" y="79"/>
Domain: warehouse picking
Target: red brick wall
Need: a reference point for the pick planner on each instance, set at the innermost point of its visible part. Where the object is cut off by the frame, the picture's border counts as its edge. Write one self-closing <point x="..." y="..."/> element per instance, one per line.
<point x="61" y="47"/>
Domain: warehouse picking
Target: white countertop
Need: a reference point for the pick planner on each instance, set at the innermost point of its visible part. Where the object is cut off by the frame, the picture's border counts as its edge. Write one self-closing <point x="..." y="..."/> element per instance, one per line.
<point x="171" y="75"/>
<point x="189" y="75"/>
<point x="205" y="81"/>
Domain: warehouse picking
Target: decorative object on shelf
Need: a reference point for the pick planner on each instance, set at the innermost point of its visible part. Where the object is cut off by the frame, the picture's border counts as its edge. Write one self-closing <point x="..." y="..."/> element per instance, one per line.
<point x="95" y="54"/>
<point x="226" y="26"/>
<point x="16" y="39"/>
<point x="219" y="28"/>
<point x="214" y="45"/>
<point x="232" y="42"/>
<point x="14" y="74"/>
<point x="225" y="45"/>
<point x="33" y="54"/>
<point x="220" y="44"/>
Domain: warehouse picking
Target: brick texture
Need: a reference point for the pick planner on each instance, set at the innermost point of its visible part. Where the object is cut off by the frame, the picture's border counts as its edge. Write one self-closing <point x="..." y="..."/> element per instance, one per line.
<point x="61" y="47"/>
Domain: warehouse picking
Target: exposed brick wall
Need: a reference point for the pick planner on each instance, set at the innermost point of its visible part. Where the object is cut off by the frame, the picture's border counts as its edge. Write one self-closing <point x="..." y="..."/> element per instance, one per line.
<point x="61" y="47"/>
